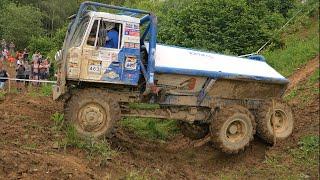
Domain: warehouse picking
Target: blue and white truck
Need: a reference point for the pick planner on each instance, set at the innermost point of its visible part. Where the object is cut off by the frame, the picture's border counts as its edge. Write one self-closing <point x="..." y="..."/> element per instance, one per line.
<point x="228" y="99"/>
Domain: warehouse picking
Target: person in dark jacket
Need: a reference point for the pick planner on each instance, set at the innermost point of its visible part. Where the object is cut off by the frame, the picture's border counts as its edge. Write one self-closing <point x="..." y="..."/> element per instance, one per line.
<point x="3" y="74"/>
<point x="20" y="74"/>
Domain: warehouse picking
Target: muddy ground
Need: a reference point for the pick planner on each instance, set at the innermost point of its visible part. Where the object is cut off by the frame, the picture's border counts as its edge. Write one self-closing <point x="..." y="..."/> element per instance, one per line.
<point x="28" y="148"/>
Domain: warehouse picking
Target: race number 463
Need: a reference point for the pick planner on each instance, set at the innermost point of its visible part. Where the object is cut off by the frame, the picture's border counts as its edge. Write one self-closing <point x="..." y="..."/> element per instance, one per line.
<point x="94" y="69"/>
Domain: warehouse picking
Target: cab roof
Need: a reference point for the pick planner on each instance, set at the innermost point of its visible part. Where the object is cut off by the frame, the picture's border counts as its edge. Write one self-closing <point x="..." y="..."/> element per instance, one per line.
<point x="119" y="17"/>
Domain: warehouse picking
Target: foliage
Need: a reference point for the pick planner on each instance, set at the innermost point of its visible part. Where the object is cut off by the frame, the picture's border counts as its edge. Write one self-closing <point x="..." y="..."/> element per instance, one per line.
<point x="308" y="151"/>
<point x="2" y="95"/>
<point x="238" y="27"/>
<point x="20" y="23"/>
<point x="300" y="47"/>
<point x="44" y="90"/>
<point x="42" y="44"/>
<point x="151" y="128"/>
<point x="58" y="120"/>
<point x="93" y="147"/>
<point x="143" y="106"/>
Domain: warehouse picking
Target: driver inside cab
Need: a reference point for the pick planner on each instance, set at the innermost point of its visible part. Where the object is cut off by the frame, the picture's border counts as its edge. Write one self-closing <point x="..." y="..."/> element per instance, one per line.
<point x="112" y="36"/>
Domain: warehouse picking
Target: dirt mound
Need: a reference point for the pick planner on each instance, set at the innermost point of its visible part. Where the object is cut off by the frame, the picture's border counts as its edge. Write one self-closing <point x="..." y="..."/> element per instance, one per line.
<point x="303" y="73"/>
<point x="17" y="164"/>
<point x="26" y="141"/>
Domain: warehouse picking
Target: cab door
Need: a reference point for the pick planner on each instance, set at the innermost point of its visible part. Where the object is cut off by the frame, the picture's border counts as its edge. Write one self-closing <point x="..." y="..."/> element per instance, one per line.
<point x="102" y="63"/>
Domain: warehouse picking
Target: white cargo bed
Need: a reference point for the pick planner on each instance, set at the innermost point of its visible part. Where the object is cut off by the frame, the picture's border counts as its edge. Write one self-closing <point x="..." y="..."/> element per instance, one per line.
<point x="191" y="62"/>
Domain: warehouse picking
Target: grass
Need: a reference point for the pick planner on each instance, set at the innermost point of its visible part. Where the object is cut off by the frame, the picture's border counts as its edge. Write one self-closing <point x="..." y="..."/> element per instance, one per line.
<point x="31" y="146"/>
<point x="143" y="106"/>
<point x="44" y="91"/>
<point x="151" y="128"/>
<point x="2" y="95"/>
<point x="305" y="92"/>
<point x="297" y="163"/>
<point x="58" y="120"/>
<point x="92" y="147"/>
<point x="300" y="47"/>
<point x="136" y="175"/>
<point x="307" y="154"/>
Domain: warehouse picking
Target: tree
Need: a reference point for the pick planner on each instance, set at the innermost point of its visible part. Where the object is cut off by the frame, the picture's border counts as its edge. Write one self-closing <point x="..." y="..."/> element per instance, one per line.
<point x="20" y="23"/>
<point x="230" y="26"/>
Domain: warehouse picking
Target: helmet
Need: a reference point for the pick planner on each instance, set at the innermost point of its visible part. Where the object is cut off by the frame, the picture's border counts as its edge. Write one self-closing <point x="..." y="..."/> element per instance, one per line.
<point x="109" y="26"/>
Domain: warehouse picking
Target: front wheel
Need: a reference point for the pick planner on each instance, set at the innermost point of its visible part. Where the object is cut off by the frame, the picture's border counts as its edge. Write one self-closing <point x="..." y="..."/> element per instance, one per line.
<point x="232" y="129"/>
<point x="92" y="112"/>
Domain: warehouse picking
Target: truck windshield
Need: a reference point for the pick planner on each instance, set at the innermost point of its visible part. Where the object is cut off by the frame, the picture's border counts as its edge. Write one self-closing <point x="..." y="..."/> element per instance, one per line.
<point x="80" y="32"/>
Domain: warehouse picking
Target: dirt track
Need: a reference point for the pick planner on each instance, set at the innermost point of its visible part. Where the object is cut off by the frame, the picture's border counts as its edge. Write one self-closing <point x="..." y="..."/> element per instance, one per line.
<point x="27" y="148"/>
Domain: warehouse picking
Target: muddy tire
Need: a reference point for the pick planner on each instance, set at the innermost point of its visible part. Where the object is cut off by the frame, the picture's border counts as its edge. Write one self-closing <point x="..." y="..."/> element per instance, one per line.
<point x="194" y="131"/>
<point x="92" y="112"/>
<point x="284" y="122"/>
<point x="232" y="129"/>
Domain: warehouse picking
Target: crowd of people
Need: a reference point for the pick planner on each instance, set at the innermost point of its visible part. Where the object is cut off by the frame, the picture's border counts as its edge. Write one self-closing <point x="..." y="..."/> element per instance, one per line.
<point x="33" y="68"/>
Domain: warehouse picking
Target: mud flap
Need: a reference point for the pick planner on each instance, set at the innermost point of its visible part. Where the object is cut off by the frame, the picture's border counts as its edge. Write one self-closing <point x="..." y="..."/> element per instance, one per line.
<point x="56" y="93"/>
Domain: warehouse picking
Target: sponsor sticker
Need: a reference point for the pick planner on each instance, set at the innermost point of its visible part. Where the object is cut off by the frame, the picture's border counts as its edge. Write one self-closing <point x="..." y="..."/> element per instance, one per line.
<point x="131" y="63"/>
<point x="112" y="75"/>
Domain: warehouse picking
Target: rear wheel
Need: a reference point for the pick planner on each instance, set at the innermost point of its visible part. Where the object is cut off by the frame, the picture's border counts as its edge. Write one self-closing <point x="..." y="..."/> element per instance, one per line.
<point x="194" y="131"/>
<point x="274" y="120"/>
<point x="232" y="129"/>
<point x="92" y="112"/>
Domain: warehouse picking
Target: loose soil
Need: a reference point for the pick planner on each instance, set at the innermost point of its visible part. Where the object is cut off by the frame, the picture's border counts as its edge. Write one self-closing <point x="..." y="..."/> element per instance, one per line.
<point x="28" y="147"/>
<point x="303" y="73"/>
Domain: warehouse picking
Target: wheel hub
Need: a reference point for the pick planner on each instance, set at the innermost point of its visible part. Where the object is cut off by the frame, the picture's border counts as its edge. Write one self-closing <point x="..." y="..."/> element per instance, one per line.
<point x="236" y="130"/>
<point x="279" y="121"/>
<point x="91" y="117"/>
<point x="233" y="129"/>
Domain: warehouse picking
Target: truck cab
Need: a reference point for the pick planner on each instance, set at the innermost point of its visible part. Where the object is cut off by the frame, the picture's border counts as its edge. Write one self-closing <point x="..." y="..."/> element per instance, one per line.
<point x="89" y="57"/>
<point x="89" y="53"/>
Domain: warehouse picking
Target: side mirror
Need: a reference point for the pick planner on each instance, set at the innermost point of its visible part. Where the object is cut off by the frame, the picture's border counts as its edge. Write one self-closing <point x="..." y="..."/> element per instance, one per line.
<point x="58" y="56"/>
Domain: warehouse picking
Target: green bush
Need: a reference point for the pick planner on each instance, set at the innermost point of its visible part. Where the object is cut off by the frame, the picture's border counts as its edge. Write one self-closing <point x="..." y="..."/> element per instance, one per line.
<point x="20" y="23"/>
<point x="41" y="44"/>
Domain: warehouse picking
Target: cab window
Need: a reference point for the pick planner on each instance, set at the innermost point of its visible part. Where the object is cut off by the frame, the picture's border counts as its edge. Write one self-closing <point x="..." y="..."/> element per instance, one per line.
<point x="80" y="32"/>
<point x="105" y="34"/>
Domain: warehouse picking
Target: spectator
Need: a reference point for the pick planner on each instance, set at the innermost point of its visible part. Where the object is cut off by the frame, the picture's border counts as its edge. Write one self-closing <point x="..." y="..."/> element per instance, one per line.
<point x="20" y="74"/>
<point x="11" y="60"/>
<point x="11" y="48"/>
<point x="42" y="70"/>
<point x="35" y="70"/>
<point x="27" y="72"/>
<point x="19" y="55"/>
<point x="3" y="74"/>
<point x="25" y="54"/>
<point x="5" y="54"/>
<point x="40" y="55"/>
<point x="35" y="56"/>
<point x="3" y="44"/>
<point x="48" y="69"/>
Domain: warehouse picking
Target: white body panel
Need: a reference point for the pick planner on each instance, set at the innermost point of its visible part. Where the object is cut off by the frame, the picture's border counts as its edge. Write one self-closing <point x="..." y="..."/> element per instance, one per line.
<point x="186" y="59"/>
